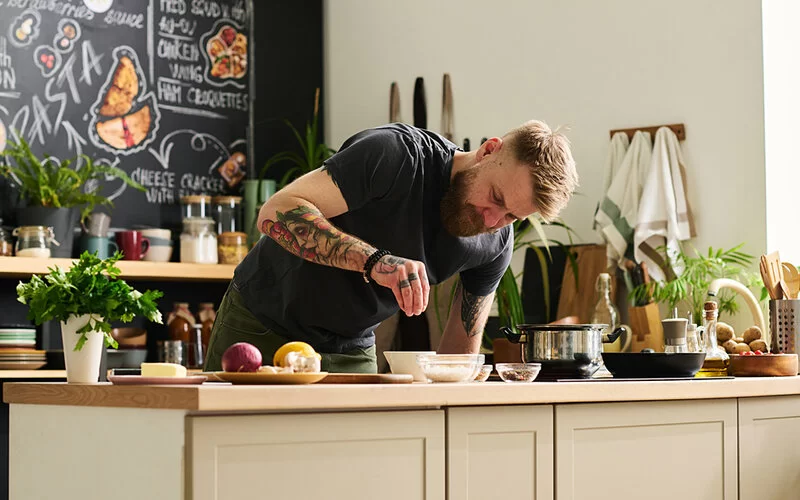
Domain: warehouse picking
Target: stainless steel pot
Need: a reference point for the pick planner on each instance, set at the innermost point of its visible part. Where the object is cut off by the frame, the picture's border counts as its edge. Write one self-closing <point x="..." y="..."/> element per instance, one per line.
<point x="565" y="351"/>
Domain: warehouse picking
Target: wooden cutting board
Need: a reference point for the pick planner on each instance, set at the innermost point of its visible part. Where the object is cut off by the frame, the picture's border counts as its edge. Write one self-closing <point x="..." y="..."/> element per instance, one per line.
<point x="591" y="260"/>
<point x="366" y="378"/>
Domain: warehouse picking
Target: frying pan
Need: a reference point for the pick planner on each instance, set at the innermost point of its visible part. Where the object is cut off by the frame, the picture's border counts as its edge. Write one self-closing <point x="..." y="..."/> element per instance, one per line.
<point x="653" y="364"/>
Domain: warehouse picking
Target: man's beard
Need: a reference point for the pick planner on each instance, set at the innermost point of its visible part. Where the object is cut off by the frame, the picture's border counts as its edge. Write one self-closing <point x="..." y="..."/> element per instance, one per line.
<point x="458" y="217"/>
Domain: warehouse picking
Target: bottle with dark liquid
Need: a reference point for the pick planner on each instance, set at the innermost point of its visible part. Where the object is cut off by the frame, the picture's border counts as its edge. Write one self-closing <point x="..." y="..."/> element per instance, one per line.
<point x="717" y="360"/>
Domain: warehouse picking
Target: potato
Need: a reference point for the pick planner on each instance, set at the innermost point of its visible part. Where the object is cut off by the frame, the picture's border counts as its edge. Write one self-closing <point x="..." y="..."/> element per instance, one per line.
<point x="724" y="331"/>
<point x="758" y="345"/>
<point x="751" y="334"/>
<point x="729" y="346"/>
<point x="739" y="340"/>
<point x="740" y="348"/>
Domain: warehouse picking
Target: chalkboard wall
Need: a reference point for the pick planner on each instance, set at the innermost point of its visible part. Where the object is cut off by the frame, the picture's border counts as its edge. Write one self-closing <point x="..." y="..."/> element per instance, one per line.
<point x="159" y="88"/>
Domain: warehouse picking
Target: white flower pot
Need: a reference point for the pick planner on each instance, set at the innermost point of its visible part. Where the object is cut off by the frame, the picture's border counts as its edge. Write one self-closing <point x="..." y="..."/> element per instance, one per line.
<point x="83" y="367"/>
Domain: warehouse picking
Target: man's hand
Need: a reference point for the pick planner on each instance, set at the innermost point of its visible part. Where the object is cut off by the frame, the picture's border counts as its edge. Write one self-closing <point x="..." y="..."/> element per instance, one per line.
<point x="407" y="279"/>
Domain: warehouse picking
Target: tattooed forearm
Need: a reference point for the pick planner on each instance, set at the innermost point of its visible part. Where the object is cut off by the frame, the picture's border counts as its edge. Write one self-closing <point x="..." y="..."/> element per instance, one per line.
<point x="305" y="232"/>
<point x="472" y="307"/>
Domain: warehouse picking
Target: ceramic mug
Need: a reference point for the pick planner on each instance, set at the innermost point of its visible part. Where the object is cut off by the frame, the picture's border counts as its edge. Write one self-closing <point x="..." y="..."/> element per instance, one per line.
<point x="101" y="245"/>
<point x="132" y="244"/>
<point x="160" y="245"/>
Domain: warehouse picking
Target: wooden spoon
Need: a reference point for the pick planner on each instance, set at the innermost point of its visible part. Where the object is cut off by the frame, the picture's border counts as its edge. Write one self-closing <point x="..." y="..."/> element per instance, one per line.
<point x="767" y="277"/>
<point x="792" y="278"/>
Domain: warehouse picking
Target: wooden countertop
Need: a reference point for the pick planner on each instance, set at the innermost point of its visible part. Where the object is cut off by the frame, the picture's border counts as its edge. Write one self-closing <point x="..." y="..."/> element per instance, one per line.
<point x="213" y="397"/>
<point x="29" y="374"/>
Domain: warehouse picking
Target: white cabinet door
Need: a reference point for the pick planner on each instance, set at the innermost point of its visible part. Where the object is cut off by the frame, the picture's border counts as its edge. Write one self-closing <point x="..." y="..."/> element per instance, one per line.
<point x="355" y="456"/>
<point x="668" y="450"/>
<point x="769" y="448"/>
<point x="500" y="452"/>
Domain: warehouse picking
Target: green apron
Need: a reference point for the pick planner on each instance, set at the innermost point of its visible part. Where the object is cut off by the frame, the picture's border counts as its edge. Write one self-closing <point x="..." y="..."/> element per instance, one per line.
<point x="235" y="323"/>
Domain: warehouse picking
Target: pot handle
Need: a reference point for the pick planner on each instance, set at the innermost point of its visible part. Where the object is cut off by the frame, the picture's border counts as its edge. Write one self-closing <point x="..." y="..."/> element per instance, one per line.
<point x="516" y="338"/>
<point x="611" y="337"/>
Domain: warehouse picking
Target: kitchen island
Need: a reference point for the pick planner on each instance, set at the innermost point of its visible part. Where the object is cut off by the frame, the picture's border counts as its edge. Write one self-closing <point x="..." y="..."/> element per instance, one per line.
<point x="696" y="439"/>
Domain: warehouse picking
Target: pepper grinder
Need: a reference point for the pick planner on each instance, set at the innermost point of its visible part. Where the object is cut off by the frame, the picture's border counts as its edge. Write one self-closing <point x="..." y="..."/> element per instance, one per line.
<point x="675" y="334"/>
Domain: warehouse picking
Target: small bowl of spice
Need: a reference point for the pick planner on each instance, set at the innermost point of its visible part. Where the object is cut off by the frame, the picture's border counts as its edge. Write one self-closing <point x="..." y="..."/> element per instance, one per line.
<point x="483" y="374"/>
<point x="518" y="372"/>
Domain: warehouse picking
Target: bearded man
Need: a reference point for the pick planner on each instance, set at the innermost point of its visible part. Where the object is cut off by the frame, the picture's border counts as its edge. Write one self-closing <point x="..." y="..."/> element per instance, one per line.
<point x="395" y="211"/>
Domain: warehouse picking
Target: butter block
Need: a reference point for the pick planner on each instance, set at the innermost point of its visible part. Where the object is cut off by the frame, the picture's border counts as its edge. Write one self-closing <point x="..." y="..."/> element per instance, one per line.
<point x="163" y="370"/>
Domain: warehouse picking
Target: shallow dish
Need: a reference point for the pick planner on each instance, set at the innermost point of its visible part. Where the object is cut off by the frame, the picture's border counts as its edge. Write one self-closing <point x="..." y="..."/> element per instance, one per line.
<point x="250" y="378"/>
<point x="765" y="365"/>
<point x="518" y="372"/>
<point x="653" y="364"/>
<point x="140" y="380"/>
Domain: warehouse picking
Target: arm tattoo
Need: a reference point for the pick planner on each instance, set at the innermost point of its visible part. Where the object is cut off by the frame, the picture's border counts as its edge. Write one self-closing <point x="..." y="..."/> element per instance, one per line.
<point x="471" y="307"/>
<point x="305" y="232"/>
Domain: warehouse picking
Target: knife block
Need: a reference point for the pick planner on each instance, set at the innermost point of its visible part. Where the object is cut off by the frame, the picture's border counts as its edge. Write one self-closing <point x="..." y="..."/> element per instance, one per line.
<point x="646" y="330"/>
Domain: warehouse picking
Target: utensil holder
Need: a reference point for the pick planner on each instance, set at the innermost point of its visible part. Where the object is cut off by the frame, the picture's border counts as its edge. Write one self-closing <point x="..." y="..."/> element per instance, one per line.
<point x="646" y="329"/>
<point x="784" y="325"/>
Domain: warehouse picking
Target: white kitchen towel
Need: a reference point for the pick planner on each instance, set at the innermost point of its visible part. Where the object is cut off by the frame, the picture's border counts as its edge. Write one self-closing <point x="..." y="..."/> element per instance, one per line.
<point x="664" y="217"/>
<point x="619" y="208"/>
<point x="616" y="153"/>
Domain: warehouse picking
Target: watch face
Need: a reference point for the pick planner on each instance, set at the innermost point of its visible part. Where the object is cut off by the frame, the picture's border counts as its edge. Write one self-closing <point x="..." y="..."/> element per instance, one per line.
<point x="98" y="5"/>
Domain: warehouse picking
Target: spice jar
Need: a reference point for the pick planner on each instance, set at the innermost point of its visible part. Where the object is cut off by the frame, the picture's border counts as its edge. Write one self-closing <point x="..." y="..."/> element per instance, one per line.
<point x="34" y="241"/>
<point x="6" y="244"/>
<point x="180" y="322"/>
<point x="232" y="247"/>
<point x="196" y="205"/>
<point x="206" y="315"/>
<point x="198" y="241"/>
<point x="227" y="213"/>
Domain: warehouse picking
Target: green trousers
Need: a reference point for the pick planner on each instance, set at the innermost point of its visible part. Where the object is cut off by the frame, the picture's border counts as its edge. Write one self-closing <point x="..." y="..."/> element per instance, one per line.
<point x="235" y="323"/>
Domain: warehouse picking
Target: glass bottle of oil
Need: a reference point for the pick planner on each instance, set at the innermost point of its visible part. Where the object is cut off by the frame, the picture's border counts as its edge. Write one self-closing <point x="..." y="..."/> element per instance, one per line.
<point x="717" y="360"/>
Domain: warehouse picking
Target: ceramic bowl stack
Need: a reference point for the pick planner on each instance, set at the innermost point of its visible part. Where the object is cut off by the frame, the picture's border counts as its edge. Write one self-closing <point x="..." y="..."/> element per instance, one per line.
<point x="17" y="350"/>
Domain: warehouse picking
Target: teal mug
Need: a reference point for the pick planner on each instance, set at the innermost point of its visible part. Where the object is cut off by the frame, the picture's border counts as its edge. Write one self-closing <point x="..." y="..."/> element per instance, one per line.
<point x="104" y="247"/>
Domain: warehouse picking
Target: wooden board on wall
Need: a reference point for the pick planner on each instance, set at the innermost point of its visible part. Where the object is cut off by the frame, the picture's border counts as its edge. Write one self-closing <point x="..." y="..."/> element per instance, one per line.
<point x="578" y="301"/>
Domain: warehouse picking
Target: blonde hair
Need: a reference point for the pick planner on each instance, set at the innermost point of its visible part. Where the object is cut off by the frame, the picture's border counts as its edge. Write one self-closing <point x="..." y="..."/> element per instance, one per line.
<point x="548" y="156"/>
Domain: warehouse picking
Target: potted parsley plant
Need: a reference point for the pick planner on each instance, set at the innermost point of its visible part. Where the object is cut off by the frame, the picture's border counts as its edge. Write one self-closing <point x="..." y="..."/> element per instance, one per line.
<point x="86" y="299"/>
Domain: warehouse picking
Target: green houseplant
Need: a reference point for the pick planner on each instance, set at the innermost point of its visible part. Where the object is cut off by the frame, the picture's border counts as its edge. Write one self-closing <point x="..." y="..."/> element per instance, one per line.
<point x="57" y="193"/>
<point x="86" y="299"/>
<point x="688" y="289"/>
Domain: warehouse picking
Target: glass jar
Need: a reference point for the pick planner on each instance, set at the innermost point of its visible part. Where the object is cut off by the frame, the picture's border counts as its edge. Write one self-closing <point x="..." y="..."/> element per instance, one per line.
<point x="227" y="213"/>
<point x="717" y="360"/>
<point x="34" y="241"/>
<point x="6" y="243"/>
<point x="232" y="247"/>
<point x="198" y="241"/>
<point x="196" y="206"/>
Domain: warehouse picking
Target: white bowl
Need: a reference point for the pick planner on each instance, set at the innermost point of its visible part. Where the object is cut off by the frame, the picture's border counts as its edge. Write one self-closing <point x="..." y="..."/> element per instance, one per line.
<point x="158" y="254"/>
<point x="405" y="362"/>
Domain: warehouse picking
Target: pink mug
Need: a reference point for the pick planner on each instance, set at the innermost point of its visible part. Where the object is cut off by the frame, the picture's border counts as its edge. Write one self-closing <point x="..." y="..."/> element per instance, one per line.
<point x="132" y="244"/>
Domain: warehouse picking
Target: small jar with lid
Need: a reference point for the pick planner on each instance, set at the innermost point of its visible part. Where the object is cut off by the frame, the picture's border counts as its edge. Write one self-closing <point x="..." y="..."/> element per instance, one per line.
<point x="232" y="247"/>
<point x="196" y="206"/>
<point x="227" y="213"/>
<point x="198" y="241"/>
<point x="6" y="243"/>
<point x="34" y="241"/>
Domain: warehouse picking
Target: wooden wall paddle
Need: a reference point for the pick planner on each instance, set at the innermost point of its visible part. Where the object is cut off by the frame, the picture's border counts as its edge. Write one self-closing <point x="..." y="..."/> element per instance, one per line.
<point x="591" y="260"/>
<point x="366" y="378"/>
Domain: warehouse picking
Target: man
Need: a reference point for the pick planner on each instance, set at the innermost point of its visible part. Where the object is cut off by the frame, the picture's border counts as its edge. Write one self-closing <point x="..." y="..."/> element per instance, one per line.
<point x="396" y="210"/>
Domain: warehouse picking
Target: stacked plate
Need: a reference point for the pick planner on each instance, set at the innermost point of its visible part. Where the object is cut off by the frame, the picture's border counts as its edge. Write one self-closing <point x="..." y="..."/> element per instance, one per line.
<point x="17" y="350"/>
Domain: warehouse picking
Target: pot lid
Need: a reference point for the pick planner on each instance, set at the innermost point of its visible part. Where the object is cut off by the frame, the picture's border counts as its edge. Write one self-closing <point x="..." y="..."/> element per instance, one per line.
<point x="562" y="328"/>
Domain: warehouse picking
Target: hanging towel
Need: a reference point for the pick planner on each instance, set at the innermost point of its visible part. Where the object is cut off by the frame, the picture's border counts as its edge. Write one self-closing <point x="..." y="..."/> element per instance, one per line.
<point x="616" y="153"/>
<point x="619" y="209"/>
<point x="665" y="217"/>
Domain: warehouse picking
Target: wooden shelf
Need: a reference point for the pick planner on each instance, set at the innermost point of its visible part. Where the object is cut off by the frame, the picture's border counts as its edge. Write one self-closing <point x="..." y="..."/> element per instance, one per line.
<point x="29" y="374"/>
<point x="23" y="267"/>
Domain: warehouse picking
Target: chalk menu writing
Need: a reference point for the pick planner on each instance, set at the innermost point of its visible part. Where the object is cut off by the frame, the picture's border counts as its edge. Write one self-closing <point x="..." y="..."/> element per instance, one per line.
<point x="158" y="88"/>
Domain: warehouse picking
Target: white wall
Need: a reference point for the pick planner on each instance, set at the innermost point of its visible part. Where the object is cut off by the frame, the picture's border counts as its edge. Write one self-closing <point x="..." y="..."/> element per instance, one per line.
<point x="590" y="65"/>
<point x="781" y="112"/>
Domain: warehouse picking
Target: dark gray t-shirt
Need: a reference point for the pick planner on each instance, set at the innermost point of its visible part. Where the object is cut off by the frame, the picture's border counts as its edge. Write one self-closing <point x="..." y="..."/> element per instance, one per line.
<point x="392" y="178"/>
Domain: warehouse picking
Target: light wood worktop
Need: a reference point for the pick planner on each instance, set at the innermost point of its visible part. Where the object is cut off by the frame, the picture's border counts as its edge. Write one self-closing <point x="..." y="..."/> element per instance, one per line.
<point x="214" y="397"/>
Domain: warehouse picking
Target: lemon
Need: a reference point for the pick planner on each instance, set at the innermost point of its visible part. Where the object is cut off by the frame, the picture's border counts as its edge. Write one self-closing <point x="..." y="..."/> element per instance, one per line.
<point x="300" y="348"/>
